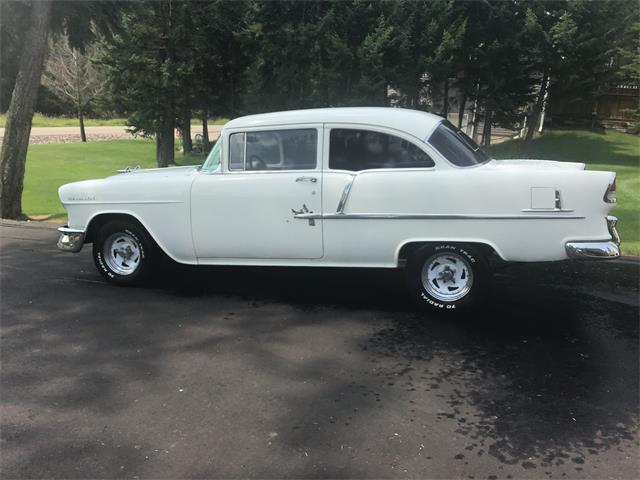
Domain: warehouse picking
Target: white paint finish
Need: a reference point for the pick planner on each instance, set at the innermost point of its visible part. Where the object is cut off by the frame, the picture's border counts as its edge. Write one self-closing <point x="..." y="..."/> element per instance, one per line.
<point x="534" y="165"/>
<point x="135" y="194"/>
<point x="543" y="197"/>
<point x="410" y="122"/>
<point x="246" y="219"/>
<point x="239" y="215"/>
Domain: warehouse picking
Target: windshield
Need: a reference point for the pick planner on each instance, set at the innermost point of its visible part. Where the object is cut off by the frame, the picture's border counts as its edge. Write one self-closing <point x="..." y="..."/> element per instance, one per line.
<point x="213" y="159"/>
<point x="456" y="146"/>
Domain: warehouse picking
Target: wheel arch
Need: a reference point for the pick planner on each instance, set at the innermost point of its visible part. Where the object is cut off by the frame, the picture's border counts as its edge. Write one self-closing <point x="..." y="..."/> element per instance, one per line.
<point x="101" y="218"/>
<point x="406" y="249"/>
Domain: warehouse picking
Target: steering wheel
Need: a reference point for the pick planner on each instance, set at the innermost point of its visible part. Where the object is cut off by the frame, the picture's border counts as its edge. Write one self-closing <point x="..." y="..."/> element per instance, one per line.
<point x="256" y="163"/>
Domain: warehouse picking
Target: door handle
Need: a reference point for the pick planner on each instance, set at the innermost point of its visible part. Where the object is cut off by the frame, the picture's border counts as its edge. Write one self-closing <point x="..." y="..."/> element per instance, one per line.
<point x="307" y="179"/>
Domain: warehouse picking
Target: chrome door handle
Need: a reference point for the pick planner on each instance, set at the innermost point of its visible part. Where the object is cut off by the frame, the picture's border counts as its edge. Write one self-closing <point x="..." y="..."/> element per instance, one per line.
<point x="307" y="179"/>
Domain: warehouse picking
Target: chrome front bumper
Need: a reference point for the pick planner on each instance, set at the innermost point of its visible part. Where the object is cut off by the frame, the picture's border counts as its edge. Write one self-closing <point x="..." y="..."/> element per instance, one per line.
<point x="597" y="250"/>
<point x="71" y="239"/>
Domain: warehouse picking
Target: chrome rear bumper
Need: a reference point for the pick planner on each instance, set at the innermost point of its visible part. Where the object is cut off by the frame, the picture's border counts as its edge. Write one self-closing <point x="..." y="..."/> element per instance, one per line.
<point x="71" y="239"/>
<point x="592" y="250"/>
<point x="595" y="250"/>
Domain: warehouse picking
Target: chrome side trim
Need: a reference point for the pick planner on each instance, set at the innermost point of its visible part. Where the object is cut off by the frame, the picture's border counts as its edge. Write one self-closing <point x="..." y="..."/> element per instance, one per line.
<point x="543" y="210"/>
<point x="432" y="216"/>
<point x="592" y="250"/>
<point x="345" y="195"/>
<point x="71" y="239"/>
<point x="119" y="202"/>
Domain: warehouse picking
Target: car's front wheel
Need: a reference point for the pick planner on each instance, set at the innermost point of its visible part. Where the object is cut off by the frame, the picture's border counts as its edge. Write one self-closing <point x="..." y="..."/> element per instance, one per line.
<point x="448" y="277"/>
<point x="124" y="253"/>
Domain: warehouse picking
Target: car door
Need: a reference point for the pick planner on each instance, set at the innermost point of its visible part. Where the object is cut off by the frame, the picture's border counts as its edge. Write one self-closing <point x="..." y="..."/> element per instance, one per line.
<point x="246" y="209"/>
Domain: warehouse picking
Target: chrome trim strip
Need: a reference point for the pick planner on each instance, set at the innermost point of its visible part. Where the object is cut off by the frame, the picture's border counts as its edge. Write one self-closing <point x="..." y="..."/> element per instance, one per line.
<point x="431" y="216"/>
<point x="118" y="202"/>
<point x="592" y="250"/>
<point x="345" y="195"/>
<point x="543" y="210"/>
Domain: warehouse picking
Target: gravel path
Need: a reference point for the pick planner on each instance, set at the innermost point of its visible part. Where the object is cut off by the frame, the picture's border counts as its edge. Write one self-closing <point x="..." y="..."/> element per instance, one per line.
<point x="40" y="135"/>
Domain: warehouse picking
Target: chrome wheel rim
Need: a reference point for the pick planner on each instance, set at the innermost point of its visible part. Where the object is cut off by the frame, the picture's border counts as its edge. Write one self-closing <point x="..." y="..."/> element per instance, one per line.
<point x="122" y="253"/>
<point x="447" y="276"/>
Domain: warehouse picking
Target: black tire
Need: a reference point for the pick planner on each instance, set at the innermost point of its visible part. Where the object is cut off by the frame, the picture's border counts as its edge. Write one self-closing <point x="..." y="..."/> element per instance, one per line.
<point x="144" y="256"/>
<point x="471" y="270"/>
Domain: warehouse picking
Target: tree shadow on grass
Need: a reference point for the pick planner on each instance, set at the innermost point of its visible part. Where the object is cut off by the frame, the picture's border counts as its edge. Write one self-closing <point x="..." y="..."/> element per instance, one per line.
<point x="573" y="146"/>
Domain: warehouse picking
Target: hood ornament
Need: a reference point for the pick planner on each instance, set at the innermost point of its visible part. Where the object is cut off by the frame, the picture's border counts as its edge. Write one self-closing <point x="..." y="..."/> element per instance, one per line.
<point x="129" y="169"/>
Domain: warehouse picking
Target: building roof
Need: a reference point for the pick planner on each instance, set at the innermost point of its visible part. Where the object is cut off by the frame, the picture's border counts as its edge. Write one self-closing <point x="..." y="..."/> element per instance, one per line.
<point x="417" y="123"/>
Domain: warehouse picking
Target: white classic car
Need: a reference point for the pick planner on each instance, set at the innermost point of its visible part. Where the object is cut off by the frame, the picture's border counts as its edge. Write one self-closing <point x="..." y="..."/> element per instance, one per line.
<point x="346" y="187"/>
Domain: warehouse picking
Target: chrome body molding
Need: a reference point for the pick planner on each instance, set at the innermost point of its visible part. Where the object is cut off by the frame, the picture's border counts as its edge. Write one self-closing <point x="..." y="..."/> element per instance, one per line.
<point x="592" y="250"/>
<point x="345" y="194"/>
<point x="71" y="239"/>
<point x="432" y="216"/>
<point x="120" y="202"/>
<point x="547" y="210"/>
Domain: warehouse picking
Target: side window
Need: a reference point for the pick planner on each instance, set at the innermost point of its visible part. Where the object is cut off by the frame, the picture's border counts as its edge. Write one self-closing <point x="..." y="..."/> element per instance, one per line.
<point x="363" y="149"/>
<point x="236" y="151"/>
<point x="273" y="150"/>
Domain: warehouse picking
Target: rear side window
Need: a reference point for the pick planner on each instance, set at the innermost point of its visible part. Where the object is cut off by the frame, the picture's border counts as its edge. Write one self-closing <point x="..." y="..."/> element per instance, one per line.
<point x="456" y="146"/>
<point x="364" y="149"/>
<point x="274" y="150"/>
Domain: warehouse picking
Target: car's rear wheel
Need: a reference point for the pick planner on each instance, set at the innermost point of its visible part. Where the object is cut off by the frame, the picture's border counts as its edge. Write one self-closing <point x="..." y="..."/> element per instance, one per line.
<point x="124" y="253"/>
<point x="448" y="277"/>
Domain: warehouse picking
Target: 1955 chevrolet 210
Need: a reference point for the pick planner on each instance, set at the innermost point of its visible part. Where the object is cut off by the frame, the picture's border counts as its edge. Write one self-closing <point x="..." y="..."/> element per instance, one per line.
<point x="346" y="187"/>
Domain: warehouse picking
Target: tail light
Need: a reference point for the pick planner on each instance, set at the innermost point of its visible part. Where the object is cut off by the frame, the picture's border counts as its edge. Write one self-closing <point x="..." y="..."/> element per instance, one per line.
<point x="610" y="194"/>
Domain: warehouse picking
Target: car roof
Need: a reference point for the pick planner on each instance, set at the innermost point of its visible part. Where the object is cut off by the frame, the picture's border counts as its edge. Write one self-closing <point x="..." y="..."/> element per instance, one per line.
<point x="417" y="123"/>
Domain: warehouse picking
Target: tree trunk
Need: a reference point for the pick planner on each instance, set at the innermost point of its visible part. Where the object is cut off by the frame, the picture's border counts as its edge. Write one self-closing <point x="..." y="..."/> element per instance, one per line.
<point x="472" y="126"/>
<point x="445" y="93"/>
<point x="205" y="133"/>
<point x="187" y="146"/>
<point x="165" y="141"/>
<point x="537" y="108"/>
<point x="486" y="131"/>
<point x="20" y="114"/>
<point x="83" y="135"/>
<point x="463" y="105"/>
<point x="543" y="109"/>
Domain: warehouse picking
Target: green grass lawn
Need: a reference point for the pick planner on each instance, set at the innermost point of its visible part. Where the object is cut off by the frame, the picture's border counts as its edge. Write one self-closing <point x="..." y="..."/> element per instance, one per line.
<point x="612" y="151"/>
<point x="49" y="166"/>
<point x="40" y="120"/>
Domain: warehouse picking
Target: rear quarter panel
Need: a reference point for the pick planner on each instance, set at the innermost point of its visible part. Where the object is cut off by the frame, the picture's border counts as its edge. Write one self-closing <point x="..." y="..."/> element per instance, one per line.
<point x="473" y="191"/>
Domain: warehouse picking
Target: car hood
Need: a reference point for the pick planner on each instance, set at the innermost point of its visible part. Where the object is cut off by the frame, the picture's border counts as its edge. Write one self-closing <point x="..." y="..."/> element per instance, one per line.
<point x="527" y="164"/>
<point x="130" y="185"/>
<point x="140" y="173"/>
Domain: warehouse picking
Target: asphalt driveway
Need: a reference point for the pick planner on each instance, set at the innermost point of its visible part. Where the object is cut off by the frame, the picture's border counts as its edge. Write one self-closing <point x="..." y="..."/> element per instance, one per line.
<point x="271" y="373"/>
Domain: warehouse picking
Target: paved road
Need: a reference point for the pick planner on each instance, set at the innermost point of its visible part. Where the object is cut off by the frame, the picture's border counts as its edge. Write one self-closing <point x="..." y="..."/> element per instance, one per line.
<point x="312" y="373"/>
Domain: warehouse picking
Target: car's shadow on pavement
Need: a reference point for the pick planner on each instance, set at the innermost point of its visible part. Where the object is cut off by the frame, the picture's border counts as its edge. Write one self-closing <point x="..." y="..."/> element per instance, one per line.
<point x="300" y="372"/>
<point x="529" y="377"/>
